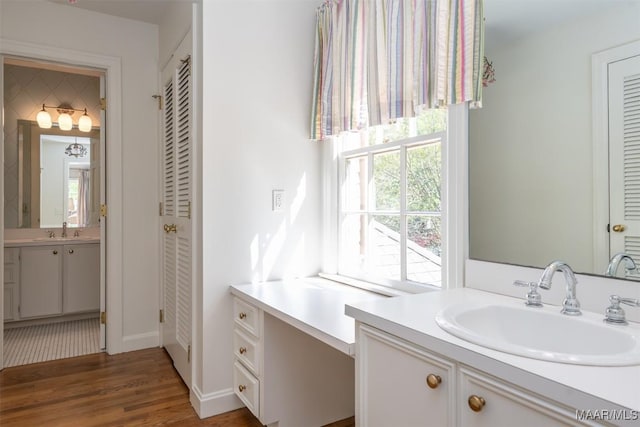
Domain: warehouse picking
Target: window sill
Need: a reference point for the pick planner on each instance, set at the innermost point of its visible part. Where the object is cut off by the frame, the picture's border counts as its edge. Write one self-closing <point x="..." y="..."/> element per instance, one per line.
<point x="372" y="287"/>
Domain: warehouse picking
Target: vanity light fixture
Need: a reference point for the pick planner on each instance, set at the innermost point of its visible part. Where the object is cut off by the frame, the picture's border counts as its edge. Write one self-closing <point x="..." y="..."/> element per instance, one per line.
<point x="65" y="122"/>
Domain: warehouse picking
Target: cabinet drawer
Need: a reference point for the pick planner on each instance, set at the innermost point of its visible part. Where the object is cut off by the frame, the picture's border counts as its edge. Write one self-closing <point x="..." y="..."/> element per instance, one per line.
<point x="247" y="316"/>
<point x="247" y="388"/>
<point x="502" y="403"/>
<point x="246" y="350"/>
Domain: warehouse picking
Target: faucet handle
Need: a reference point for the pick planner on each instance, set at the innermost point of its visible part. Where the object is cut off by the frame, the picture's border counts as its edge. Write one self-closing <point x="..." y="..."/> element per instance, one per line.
<point x="614" y="313"/>
<point x="534" y="299"/>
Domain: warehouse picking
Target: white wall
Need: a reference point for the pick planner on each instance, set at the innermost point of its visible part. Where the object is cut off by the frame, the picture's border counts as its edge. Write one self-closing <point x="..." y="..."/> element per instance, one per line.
<point x="136" y="45"/>
<point x="531" y="184"/>
<point x="257" y="63"/>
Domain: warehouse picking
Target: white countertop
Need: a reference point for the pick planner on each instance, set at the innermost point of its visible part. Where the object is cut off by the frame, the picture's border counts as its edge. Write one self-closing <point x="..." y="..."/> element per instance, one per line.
<point x="15" y="243"/>
<point x="314" y="305"/>
<point x="412" y="318"/>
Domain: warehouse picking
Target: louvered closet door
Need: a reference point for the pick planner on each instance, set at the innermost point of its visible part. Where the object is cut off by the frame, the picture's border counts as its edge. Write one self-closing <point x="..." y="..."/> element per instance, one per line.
<point x="624" y="158"/>
<point x="176" y="209"/>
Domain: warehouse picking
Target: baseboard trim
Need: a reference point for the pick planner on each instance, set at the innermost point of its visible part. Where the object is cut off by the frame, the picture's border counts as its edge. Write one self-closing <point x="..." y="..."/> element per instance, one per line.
<point x="210" y="404"/>
<point x="140" y="341"/>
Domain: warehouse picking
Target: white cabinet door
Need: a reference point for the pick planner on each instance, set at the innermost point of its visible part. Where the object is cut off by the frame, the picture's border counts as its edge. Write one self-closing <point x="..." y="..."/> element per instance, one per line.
<point x="81" y="283"/>
<point x="40" y="281"/>
<point x="393" y="383"/>
<point x="497" y="403"/>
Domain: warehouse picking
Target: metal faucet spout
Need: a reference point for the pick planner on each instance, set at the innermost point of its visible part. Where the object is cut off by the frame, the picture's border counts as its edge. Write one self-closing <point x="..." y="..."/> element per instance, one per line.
<point x="570" y="305"/>
<point x="64" y="229"/>
<point x="629" y="264"/>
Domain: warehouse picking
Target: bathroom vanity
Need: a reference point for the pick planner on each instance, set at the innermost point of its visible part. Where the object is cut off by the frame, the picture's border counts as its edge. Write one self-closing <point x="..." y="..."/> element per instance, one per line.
<point x="51" y="277"/>
<point x="409" y="371"/>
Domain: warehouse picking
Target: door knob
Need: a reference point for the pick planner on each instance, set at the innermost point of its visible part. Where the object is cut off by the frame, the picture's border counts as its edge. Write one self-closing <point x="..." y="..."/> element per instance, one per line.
<point x="618" y="228"/>
<point x="168" y="228"/>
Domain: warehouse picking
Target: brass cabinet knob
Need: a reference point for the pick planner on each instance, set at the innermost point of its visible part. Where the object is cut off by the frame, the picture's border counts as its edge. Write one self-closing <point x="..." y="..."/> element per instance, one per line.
<point x="242" y="350"/>
<point x="70" y="251"/>
<point x="433" y="381"/>
<point x="242" y="316"/>
<point x="55" y="252"/>
<point x="618" y="228"/>
<point x="242" y="388"/>
<point x="476" y="403"/>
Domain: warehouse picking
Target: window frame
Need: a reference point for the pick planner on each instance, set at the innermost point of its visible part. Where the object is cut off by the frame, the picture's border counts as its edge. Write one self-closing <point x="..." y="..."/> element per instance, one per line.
<point x="454" y="209"/>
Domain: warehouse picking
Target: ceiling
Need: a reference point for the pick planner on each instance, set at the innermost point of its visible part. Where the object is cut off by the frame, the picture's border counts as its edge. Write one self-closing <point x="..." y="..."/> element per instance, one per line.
<point x="150" y="11"/>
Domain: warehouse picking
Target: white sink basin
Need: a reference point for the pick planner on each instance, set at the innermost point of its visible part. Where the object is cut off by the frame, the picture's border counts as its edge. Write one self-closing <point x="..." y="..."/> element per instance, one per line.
<point x="543" y="333"/>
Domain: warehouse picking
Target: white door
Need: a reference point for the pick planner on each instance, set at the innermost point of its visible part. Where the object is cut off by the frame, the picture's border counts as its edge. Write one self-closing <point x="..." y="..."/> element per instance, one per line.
<point x="176" y="208"/>
<point x="624" y="158"/>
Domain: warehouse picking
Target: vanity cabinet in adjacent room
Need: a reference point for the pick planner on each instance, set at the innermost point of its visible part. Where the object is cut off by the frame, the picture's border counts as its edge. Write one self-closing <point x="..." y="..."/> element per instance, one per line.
<point x="51" y="280"/>
<point x="81" y="278"/>
<point x="40" y="281"/>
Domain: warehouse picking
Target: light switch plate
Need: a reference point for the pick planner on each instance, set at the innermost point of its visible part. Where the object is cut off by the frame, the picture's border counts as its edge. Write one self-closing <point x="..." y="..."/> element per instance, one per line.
<point x="277" y="200"/>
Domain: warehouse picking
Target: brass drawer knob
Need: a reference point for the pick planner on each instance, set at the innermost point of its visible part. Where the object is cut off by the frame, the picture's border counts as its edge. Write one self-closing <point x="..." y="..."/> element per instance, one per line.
<point x="55" y="252"/>
<point x="243" y="350"/>
<point x="71" y="251"/>
<point x="242" y="316"/>
<point x="476" y="403"/>
<point x="433" y="381"/>
<point x="242" y="388"/>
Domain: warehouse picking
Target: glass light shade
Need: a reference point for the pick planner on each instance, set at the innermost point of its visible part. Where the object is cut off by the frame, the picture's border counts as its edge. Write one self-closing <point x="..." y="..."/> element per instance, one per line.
<point x="65" y="122"/>
<point x="84" y="123"/>
<point x="44" y="119"/>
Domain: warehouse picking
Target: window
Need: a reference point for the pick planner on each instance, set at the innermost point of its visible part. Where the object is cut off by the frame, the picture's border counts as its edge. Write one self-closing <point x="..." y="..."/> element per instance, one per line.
<point x="390" y="202"/>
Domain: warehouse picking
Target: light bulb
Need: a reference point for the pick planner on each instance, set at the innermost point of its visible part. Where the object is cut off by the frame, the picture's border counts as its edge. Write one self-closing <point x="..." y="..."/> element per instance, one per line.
<point x="65" y="122"/>
<point x="44" y="119"/>
<point x="84" y="123"/>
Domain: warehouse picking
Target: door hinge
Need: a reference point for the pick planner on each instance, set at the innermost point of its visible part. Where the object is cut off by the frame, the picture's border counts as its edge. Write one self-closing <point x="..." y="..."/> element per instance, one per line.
<point x="103" y="317"/>
<point x="189" y="353"/>
<point x="160" y="209"/>
<point x="159" y="99"/>
<point x="103" y="210"/>
<point x="189" y="210"/>
<point x="161" y="316"/>
<point x="103" y="104"/>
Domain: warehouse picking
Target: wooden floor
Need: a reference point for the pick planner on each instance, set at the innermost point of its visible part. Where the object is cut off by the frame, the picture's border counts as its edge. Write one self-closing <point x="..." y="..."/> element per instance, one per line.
<point x="138" y="388"/>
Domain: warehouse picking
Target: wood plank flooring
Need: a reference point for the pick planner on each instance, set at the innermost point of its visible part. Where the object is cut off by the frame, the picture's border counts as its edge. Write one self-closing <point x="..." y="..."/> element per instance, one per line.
<point x="138" y="388"/>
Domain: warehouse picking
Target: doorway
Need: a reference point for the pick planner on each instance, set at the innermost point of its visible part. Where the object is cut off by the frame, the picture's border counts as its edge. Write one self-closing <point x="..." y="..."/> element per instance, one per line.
<point x="616" y="137"/>
<point x="54" y="185"/>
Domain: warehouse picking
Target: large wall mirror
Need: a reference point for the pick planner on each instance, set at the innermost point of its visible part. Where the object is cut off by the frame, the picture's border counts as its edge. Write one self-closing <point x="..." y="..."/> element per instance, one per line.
<point x="58" y="177"/>
<point x="531" y="173"/>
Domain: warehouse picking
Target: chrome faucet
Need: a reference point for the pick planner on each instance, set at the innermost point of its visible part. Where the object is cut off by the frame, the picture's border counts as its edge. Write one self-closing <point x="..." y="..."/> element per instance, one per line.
<point x="64" y="229"/>
<point x="570" y="305"/>
<point x="629" y="264"/>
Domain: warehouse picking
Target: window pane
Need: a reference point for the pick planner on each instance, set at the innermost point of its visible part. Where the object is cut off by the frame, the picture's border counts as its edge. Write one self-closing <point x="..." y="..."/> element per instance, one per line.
<point x="431" y="121"/>
<point x="386" y="178"/>
<point x="355" y="186"/>
<point x="424" y="246"/>
<point x="423" y="178"/>
<point x="353" y="243"/>
<point x="385" y="246"/>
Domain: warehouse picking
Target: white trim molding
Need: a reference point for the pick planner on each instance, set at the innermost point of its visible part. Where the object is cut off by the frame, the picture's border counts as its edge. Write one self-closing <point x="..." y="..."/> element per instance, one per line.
<point x="600" y="129"/>
<point x="113" y="128"/>
<point x="210" y="404"/>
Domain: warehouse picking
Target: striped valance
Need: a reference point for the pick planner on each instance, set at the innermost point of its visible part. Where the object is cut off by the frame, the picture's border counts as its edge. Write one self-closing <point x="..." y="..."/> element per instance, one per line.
<point x="378" y="60"/>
